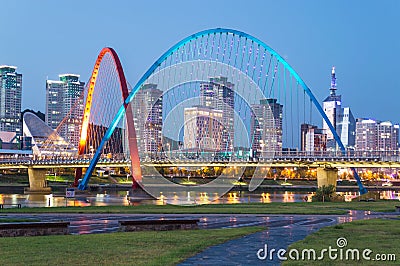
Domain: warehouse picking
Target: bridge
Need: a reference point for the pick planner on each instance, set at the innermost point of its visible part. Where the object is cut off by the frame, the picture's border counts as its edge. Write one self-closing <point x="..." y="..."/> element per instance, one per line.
<point x="38" y="168"/>
<point x="295" y="160"/>
<point x="219" y="97"/>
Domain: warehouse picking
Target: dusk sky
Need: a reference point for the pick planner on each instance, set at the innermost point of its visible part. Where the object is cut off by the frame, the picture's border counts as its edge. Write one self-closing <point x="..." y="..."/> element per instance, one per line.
<point x="360" y="38"/>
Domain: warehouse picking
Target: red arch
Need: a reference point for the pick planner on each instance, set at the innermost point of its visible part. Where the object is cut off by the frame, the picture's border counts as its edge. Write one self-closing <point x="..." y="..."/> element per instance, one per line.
<point x="133" y="149"/>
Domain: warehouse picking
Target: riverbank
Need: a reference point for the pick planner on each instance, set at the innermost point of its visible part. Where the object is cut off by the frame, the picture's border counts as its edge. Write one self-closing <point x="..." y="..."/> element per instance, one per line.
<point x="59" y="187"/>
<point x="242" y="208"/>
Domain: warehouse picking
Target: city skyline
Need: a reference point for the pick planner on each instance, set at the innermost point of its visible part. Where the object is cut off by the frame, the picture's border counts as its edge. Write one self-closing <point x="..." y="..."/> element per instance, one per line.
<point x="344" y="37"/>
<point x="215" y="93"/>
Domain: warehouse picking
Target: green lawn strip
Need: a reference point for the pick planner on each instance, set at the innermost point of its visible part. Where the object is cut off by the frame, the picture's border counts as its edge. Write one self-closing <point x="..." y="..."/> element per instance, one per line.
<point x="133" y="248"/>
<point x="244" y="208"/>
<point x="379" y="235"/>
<point x="17" y="220"/>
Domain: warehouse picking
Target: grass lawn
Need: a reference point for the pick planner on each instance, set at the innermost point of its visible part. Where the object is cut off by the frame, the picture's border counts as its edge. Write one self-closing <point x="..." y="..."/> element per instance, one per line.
<point x="17" y="220"/>
<point x="379" y="235"/>
<point x="245" y="208"/>
<point x="133" y="248"/>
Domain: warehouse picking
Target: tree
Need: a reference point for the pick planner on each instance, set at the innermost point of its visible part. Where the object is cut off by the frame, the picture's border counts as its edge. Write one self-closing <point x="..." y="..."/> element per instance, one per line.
<point x="325" y="193"/>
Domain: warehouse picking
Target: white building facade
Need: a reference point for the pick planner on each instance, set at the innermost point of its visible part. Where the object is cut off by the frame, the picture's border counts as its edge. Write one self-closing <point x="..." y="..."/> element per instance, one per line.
<point x="203" y="129"/>
<point x="341" y="118"/>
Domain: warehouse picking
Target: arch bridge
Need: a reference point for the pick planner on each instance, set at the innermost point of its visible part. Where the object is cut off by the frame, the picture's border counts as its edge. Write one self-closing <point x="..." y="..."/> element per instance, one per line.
<point x="219" y="84"/>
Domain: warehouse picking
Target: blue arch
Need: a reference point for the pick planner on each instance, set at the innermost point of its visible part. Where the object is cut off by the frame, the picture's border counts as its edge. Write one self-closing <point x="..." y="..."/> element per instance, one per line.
<point x="174" y="48"/>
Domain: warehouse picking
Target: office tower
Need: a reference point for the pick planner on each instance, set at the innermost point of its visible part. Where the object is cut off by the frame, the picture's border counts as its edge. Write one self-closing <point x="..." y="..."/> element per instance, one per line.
<point x="10" y="100"/>
<point x="147" y="116"/>
<point x="219" y="94"/>
<point x="203" y="129"/>
<point x="64" y="100"/>
<point x="341" y="118"/>
<point x="313" y="139"/>
<point x="266" y="128"/>
<point x="346" y="126"/>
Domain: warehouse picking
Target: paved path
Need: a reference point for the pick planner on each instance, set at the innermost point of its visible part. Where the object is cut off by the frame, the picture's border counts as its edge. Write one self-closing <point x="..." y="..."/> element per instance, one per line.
<point x="106" y="223"/>
<point x="243" y="251"/>
<point x="282" y="231"/>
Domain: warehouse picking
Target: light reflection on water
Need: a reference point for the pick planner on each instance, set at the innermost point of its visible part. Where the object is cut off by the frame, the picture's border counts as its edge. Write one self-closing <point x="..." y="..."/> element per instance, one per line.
<point x="387" y="195"/>
<point x="233" y="197"/>
<point x="122" y="198"/>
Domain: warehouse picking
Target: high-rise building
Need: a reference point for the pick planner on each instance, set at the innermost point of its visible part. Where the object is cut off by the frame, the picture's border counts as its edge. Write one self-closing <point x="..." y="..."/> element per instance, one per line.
<point x="346" y="126"/>
<point x="341" y="118"/>
<point x="388" y="136"/>
<point x="395" y="137"/>
<point x="219" y="94"/>
<point x="147" y="116"/>
<point x="266" y="128"/>
<point x="372" y="135"/>
<point x="64" y="101"/>
<point x="203" y="129"/>
<point x="313" y="139"/>
<point x="10" y="100"/>
<point x="366" y="135"/>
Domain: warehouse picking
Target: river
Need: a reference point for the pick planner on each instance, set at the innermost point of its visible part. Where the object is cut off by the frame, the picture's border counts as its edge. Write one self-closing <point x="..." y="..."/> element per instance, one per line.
<point x="109" y="196"/>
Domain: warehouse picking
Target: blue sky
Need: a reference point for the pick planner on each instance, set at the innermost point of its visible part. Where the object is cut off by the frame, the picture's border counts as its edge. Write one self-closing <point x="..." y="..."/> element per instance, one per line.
<point x="360" y="38"/>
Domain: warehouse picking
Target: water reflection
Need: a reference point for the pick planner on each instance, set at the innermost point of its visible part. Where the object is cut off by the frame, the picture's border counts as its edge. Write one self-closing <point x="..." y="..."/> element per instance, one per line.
<point x="161" y="200"/>
<point x="204" y="198"/>
<point x="390" y="194"/>
<point x="123" y="198"/>
<point x="387" y="195"/>
<point x="49" y="200"/>
<point x="288" y="197"/>
<point x="265" y="198"/>
<point x="232" y="197"/>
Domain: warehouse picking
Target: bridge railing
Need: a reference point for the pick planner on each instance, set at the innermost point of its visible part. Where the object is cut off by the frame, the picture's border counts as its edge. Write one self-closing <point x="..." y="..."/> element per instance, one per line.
<point x="267" y="156"/>
<point x="179" y="156"/>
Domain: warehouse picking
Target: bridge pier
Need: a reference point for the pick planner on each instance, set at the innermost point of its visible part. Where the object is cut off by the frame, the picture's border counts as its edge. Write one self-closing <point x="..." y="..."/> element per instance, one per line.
<point x="37" y="181"/>
<point x="327" y="176"/>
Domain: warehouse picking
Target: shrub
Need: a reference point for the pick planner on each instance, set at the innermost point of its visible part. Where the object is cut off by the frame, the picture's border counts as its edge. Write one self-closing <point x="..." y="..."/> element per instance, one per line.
<point x="325" y="193"/>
